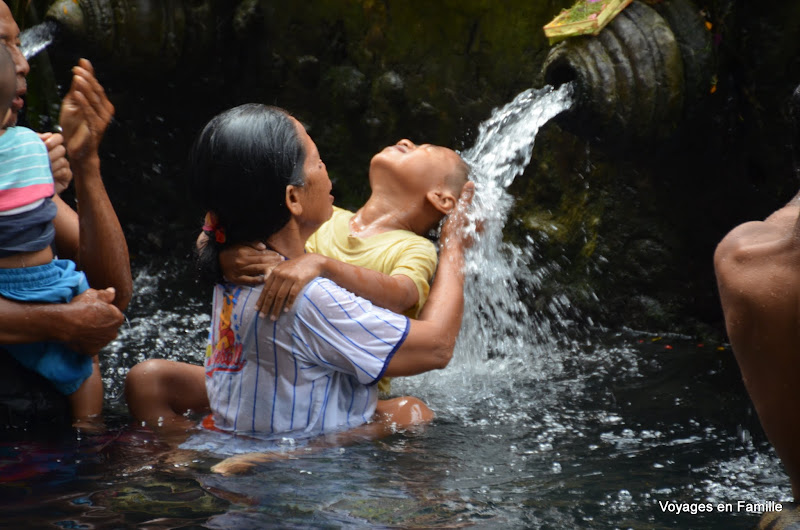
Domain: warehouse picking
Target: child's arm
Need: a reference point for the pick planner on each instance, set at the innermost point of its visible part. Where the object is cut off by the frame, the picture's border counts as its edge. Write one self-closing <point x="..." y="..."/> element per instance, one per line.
<point x="397" y="292"/>
<point x="246" y="264"/>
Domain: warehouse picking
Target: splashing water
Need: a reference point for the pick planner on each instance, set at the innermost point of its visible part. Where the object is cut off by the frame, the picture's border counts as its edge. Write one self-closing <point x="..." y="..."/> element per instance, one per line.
<point x="37" y="38"/>
<point x="500" y="273"/>
<point x="498" y="326"/>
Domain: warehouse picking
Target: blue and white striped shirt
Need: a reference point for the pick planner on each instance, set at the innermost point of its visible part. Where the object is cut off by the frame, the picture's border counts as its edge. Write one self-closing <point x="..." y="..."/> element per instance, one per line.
<point x="312" y="371"/>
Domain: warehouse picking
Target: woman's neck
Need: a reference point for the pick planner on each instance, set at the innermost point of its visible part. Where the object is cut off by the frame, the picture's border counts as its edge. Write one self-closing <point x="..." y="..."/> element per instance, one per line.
<point x="289" y="241"/>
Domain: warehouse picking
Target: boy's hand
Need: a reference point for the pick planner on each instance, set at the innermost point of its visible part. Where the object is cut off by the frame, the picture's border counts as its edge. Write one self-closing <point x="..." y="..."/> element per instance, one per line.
<point x="246" y="264"/>
<point x="85" y="112"/>
<point x="59" y="165"/>
<point x="458" y="228"/>
<point x="285" y="281"/>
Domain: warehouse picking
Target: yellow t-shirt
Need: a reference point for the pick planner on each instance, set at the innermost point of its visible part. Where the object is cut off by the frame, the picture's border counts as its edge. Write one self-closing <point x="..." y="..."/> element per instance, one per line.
<point x="393" y="252"/>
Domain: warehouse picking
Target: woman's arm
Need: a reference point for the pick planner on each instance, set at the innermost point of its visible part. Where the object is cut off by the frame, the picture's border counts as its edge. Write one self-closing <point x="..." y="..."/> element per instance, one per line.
<point x="431" y="339"/>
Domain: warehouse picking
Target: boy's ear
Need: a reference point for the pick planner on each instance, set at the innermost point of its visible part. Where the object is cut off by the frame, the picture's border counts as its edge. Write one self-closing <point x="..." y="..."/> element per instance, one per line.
<point x="442" y="200"/>
<point x="293" y="200"/>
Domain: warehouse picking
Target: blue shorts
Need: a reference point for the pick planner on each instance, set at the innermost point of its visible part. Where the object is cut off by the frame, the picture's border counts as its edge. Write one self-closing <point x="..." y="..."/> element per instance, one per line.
<point x="57" y="282"/>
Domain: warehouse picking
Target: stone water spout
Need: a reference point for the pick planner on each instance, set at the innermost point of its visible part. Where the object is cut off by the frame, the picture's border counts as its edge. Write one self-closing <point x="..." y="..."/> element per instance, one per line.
<point x="144" y="35"/>
<point x="640" y="76"/>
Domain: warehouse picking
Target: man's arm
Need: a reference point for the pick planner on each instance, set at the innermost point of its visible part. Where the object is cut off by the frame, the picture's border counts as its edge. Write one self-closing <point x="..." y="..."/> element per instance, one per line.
<point x="87" y="323"/>
<point x="102" y="250"/>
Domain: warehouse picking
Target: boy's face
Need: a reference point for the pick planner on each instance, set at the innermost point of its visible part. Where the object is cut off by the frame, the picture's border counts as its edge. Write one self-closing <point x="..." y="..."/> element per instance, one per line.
<point x="9" y="36"/>
<point x="417" y="168"/>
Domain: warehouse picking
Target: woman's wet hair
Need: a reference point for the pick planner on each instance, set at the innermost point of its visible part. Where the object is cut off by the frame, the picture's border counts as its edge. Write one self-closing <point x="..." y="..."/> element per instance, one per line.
<point x="239" y="167"/>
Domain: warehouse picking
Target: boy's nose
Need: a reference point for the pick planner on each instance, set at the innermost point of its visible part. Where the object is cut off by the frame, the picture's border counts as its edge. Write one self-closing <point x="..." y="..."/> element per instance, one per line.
<point x="408" y="143"/>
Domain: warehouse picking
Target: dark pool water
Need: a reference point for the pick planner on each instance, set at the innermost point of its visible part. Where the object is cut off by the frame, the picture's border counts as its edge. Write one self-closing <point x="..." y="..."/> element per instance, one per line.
<point x="591" y="433"/>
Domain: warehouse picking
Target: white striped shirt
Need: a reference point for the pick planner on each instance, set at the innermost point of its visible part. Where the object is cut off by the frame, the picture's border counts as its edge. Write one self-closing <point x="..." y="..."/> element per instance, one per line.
<point x="312" y="371"/>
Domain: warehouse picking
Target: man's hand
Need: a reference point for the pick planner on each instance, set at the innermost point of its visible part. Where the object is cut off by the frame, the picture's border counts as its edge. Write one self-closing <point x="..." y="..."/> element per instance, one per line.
<point x="285" y="281"/>
<point x="245" y="264"/>
<point x="59" y="165"/>
<point x="92" y="320"/>
<point x="85" y="112"/>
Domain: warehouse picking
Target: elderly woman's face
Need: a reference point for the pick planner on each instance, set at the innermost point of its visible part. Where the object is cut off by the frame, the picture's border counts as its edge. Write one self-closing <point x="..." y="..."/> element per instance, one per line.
<point x="316" y="192"/>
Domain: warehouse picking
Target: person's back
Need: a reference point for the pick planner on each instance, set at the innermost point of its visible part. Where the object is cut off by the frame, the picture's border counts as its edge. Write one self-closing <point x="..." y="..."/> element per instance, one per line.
<point x="758" y="273"/>
<point x="757" y="266"/>
<point x="296" y="374"/>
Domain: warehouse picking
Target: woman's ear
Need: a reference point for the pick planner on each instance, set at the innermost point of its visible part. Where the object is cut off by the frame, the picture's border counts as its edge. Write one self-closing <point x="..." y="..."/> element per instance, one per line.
<point x="442" y="200"/>
<point x="293" y="200"/>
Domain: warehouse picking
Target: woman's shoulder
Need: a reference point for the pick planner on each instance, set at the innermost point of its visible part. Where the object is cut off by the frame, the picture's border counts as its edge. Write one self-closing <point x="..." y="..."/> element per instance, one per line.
<point x="322" y="296"/>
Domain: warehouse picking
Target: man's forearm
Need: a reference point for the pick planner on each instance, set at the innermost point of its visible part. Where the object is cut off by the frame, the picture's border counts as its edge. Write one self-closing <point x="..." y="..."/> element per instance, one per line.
<point x="22" y="322"/>
<point x="103" y="250"/>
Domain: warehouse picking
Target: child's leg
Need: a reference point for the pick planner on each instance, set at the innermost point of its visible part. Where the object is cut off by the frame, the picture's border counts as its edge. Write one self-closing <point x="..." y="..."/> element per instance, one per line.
<point x="86" y="403"/>
<point x="402" y="412"/>
<point x="159" y="392"/>
<point x="391" y="415"/>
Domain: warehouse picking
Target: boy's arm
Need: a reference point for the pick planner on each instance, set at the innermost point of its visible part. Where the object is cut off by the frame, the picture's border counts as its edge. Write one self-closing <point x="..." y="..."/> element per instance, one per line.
<point x="396" y="293"/>
<point x="59" y="165"/>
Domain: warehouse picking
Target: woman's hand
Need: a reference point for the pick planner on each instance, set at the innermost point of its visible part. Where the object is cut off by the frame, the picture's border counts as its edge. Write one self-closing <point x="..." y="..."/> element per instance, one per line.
<point x="458" y="229"/>
<point x="246" y="264"/>
<point x="286" y="281"/>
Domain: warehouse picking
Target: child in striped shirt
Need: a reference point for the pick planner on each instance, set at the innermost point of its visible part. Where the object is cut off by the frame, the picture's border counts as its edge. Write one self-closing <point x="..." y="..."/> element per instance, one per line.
<point x="29" y="271"/>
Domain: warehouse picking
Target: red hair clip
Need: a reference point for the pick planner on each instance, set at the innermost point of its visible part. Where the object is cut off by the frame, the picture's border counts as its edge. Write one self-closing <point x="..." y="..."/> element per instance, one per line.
<point x="211" y="224"/>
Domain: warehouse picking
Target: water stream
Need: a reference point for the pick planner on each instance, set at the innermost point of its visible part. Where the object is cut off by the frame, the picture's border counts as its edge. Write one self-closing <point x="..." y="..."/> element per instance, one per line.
<point x="500" y="335"/>
<point x="37" y="38"/>
<point x="533" y="429"/>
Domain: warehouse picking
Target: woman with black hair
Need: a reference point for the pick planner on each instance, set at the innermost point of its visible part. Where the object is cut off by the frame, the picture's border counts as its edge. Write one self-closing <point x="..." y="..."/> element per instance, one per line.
<point x="312" y="371"/>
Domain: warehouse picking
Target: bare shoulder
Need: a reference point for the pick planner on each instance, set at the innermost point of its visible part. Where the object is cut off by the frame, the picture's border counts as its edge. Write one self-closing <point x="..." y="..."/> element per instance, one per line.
<point x="755" y="260"/>
<point x="749" y="241"/>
